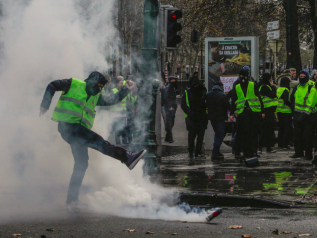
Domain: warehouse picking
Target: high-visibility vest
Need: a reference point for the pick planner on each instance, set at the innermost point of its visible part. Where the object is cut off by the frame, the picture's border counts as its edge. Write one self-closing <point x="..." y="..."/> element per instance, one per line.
<point x="267" y="101"/>
<point x="121" y="106"/>
<point x="187" y="102"/>
<point x="73" y="107"/>
<point x="132" y="99"/>
<point x="253" y="100"/>
<point x="281" y="106"/>
<point x="305" y="98"/>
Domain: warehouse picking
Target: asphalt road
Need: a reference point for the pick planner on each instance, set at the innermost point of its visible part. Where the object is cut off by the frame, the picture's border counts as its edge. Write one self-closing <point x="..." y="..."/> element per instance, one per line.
<point x="256" y="222"/>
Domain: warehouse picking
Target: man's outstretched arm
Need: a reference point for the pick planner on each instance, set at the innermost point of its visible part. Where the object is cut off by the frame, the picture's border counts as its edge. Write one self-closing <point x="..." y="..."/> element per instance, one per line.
<point x="56" y="85"/>
<point x="111" y="98"/>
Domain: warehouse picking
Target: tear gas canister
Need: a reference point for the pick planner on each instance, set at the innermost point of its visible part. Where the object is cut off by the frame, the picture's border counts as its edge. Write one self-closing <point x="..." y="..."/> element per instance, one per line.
<point x="214" y="214"/>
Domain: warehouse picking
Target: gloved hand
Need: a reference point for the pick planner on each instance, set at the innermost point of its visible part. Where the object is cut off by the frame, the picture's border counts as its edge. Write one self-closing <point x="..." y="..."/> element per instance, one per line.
<point x="43" y="111"/>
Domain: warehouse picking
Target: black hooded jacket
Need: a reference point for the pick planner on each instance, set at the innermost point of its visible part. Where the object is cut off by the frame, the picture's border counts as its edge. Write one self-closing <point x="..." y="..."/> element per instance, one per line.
<point x="197" y="117"/>
<point x="94" y="78"/>
<point x="217" y="104"/>
<point x="169" y="95"/>
<point x="267" y="92"/>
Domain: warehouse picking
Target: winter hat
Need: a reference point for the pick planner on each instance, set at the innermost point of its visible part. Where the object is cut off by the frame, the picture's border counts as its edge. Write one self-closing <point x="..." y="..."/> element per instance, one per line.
<point x="303" y="81"/>
<point x="267" y="77"/>
<point x="285" y="82"/>
<point x="244" y="72"/>
<point x="246" y="67"/>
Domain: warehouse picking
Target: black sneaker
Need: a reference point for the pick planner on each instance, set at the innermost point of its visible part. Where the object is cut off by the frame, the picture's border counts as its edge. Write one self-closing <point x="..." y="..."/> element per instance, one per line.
<point x="73" y="207"/>
<point x="191" y="161"/>
<point x="216" y="157"/>
<point x="200" y="156"/>
<point x="295" y="156"/>
<point x="134" y="158"/>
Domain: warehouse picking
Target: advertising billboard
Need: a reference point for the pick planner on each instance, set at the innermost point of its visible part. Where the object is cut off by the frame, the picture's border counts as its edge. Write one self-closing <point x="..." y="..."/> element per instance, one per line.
<point x="225" y="57"/>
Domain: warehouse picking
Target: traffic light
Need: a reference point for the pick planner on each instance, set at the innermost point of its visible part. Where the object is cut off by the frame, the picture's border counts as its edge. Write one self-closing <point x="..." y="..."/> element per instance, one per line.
<point x="172" y="27"/>
<point x="194" y="36"/>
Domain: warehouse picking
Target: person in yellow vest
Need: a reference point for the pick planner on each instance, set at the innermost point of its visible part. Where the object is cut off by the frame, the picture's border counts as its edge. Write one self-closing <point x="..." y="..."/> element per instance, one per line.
<point x="267" y="91"/>
<point x="284" y="113"/>
<point x="119" y="123"/>
<point x="304" y="99"/>
<point x="75" y="114"/>
<point x="131" y="112"/>
<point x="247" y="103"/>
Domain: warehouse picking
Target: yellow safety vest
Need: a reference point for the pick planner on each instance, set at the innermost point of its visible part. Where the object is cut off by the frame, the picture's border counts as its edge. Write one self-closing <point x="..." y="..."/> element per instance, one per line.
<point x="73" y="107"/>
<point x="253" y="100"/>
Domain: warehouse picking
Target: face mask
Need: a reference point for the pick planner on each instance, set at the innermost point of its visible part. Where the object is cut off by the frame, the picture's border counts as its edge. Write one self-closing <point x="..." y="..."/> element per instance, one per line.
<point x="302" y="84"/>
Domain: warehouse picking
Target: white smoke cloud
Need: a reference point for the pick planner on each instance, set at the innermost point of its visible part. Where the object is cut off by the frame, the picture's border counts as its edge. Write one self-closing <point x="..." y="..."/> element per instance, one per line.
<point x="55" y="39"/>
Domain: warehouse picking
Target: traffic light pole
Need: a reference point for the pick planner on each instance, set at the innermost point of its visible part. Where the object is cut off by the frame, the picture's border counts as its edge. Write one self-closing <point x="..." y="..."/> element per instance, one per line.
<point x="147" y="95"/>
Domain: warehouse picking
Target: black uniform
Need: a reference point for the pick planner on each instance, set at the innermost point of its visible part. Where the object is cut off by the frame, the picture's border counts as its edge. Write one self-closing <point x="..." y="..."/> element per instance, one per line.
<point x="79" y="137"/>
<point x="218" y="106"/>
<point x="285" y="119"/>
<point x="248" y="121"/>
<point x="169" y="105"/>
<point x="303" y="126"/>
<point x="196" y="122"/>
<point x="269" y="122"/>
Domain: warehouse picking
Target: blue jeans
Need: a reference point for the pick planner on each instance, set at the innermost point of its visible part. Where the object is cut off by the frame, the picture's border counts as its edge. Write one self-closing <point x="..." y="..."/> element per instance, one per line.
<point x="220" y="133"/>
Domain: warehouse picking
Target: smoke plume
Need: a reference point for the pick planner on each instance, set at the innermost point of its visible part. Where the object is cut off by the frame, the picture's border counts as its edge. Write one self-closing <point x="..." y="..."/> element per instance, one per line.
<point x="58" y="39"/>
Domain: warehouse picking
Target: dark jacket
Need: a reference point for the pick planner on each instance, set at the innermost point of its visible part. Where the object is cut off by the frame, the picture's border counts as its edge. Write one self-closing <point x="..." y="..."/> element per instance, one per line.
<point x="197" y="117"/>
<point x="234" y="97"/>
<point x="267" y="92"/>
<point x="169" y="96"/>
<point x="65" y="84"/>
<point x="217" y="104"/>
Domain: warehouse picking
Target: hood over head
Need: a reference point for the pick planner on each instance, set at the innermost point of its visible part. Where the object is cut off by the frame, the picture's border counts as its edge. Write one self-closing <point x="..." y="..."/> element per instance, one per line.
<point x="196" y="84"/>
<point x="92" y="83"/>
<point x="303" y="81"/>
<point x="195" y="74"/>
<point x="285" y="82"/>
<point x="266" y="77"/>
<point x="244" y="76"/>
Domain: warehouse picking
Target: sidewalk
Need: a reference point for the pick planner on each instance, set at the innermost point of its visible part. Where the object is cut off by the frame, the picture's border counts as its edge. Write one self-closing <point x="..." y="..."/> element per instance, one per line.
<point x="277" y="178"/>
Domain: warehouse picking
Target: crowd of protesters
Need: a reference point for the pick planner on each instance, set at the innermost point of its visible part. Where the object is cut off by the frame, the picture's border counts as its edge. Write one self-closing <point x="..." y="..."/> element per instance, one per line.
<point x="255" y="108"/>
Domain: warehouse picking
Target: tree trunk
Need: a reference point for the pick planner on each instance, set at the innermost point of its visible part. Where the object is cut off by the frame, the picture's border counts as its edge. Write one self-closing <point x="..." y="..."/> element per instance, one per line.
<point x="314" y="23"/>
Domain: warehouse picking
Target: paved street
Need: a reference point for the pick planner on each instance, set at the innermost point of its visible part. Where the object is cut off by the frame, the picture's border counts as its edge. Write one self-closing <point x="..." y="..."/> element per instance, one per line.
<point x="256" y="222"/>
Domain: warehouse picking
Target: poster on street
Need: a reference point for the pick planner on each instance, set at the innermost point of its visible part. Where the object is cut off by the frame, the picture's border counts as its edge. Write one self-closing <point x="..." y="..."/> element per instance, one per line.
<point x="228" y="82"/>
<point x="225" y="57"/>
